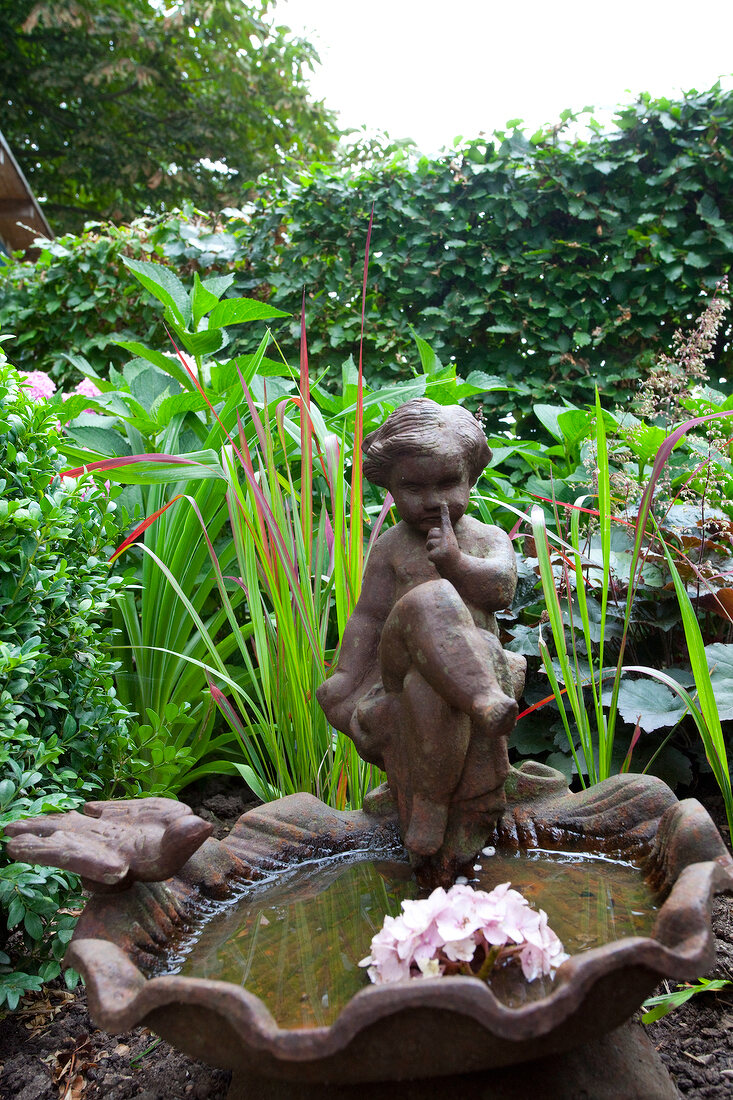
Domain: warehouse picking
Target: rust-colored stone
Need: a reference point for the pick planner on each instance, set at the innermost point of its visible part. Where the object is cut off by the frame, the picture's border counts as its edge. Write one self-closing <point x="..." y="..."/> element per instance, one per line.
<point x="112" y="844"/>
<point x="413" y="1028"/>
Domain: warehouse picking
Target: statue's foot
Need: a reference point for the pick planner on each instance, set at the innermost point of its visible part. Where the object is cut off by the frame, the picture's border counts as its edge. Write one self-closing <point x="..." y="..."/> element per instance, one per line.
<point x="495" y="714"/>
<point x="427" y="826"/>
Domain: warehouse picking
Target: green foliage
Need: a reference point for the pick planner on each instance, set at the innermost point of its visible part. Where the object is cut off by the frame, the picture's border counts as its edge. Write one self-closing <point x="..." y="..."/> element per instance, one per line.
<point x="627" y="573"/>
<point x="552" y="262"/>
<point x="191" y="616"/>
<point x="121" y="107"/>
<point x="63" y="732"/>
<point x="249" y="566"/>
<point x="666" y="1002"/>
<point x="75" y="299"/>
<point x="579" y="585"/>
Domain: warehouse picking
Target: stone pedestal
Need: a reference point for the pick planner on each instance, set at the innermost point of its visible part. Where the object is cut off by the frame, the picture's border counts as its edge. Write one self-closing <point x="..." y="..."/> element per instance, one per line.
<point x="622" y="1065"/>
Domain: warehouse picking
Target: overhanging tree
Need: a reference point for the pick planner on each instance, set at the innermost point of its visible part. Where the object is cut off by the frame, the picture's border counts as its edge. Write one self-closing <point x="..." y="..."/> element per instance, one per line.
<point x="117" y="107"/>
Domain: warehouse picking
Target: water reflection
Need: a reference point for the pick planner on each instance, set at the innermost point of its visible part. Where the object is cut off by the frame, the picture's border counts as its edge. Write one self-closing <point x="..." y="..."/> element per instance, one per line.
<point x="296" y="943"/>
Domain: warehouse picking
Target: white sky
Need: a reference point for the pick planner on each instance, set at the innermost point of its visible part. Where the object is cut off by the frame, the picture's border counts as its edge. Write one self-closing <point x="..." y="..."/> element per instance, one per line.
<point x="434" y="70"/>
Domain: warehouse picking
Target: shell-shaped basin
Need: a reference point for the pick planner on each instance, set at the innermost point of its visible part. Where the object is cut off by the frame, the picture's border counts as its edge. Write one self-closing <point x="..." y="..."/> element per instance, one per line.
<point x="413" y="1028"/>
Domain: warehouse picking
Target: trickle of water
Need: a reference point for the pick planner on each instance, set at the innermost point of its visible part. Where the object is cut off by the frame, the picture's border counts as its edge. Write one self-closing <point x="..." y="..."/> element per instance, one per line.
<point x="296" y="942"/>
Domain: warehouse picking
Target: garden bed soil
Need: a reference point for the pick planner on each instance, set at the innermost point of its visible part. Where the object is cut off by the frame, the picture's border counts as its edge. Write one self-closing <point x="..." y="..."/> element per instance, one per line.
<point x="50" y="1050"/>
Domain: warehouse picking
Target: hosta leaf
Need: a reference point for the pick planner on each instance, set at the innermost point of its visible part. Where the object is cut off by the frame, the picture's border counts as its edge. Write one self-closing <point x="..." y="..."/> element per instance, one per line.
<point x="649" y="703"/>
<point x="720" y="663"/>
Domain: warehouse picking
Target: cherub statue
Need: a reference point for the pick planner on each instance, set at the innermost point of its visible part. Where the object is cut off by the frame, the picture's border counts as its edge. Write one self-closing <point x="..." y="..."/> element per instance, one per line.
<point x="422" y="685"/>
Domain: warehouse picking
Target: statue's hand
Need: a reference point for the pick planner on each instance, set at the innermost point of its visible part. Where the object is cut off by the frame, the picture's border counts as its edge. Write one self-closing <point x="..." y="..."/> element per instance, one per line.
<point x="442" y="544"/>
<point x="112" y="844"/>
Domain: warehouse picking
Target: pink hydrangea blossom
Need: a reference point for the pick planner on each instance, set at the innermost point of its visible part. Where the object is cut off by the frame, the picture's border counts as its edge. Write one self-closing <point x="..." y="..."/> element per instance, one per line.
<point x="87" y="388"/>
<point x="40" y="386"/>
<point x="449" y="930"/>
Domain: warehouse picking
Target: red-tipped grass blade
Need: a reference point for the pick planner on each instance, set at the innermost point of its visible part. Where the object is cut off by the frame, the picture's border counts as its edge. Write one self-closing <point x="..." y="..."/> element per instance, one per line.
<point x="627" y="761"/>
<point x="128" y="460"/>
<point x="142" y="527"/>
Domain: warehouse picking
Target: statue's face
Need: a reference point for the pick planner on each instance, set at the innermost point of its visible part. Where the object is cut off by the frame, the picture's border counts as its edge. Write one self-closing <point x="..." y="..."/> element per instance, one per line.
<point x="421" y="483"/>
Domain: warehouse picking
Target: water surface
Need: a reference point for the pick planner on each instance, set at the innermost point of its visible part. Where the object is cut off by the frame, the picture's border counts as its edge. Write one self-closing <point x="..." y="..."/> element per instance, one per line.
<point x="296" y="942"/>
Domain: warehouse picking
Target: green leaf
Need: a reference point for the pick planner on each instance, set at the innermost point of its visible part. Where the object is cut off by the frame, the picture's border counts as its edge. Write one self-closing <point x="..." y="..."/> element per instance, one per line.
<point x="33" y="925"/>
<point x="431" y="364"/>
<point x="176" y="403"/>
<point x="164" y="285"/>
<point x="548" y="417"/>
<point x="149" y="384"/>
<point x="101" y="441"/>
<point x="203" y="298"/>
<point x="486" y="383"/>
<point x="665" y="1002"/>
<point x="171" y="366"/>
<point x="235" y="311"/>
<point x="218" y="284"/>
<point x="202" y="344"/>
<point x="264" y="791"/>
<point x="708" y="209"/>
<point x="650" y="704"/>
<point x="720" y="662"/>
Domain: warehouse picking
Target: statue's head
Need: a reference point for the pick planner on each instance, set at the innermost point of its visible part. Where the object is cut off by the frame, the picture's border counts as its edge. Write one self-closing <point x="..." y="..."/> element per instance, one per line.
<point x="423" y="428"/>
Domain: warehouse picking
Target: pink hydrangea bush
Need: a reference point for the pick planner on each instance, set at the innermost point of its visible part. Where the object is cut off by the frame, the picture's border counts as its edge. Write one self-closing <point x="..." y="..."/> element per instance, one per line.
<point x="462" y="930"/>
<point x="40" y="386"/>
<point x="87" y="388"/>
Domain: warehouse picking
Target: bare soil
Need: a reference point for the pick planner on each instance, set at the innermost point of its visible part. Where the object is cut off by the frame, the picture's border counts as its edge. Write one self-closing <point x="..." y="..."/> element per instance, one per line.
<point x="50" y="1050"/>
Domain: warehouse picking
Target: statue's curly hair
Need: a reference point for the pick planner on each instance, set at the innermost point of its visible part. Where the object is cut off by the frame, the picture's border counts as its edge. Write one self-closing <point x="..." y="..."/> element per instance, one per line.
<point x="417" y="428"/>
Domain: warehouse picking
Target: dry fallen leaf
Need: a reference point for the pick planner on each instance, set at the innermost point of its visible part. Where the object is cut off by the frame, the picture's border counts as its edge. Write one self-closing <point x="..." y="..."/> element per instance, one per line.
<point x="74" y="1089"/>
<point x="71" y="1065"/>
<point x="38" y="1011"/>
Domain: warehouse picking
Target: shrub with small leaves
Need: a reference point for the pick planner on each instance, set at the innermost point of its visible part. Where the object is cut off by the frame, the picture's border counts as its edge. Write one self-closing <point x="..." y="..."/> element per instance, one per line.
<point x="63" y="731"/>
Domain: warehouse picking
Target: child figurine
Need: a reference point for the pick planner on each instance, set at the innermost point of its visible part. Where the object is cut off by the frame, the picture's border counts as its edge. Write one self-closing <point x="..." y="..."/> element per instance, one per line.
<point x="422" y="685"/>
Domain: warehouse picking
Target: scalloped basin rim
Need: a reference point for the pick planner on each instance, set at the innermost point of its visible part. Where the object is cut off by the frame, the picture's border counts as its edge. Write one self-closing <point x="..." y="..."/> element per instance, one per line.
<point x="680" y="842"/>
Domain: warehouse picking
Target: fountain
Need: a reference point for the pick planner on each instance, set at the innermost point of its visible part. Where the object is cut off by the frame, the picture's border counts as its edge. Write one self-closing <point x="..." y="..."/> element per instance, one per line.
<point x="244" y="952"/>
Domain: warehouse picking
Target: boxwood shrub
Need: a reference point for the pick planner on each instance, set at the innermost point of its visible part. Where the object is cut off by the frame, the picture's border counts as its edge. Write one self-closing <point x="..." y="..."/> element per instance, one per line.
<point x="63" y="731"/>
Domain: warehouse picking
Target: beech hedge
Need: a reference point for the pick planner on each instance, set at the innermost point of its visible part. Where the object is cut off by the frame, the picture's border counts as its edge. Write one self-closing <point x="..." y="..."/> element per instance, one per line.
<point x="554" y="262"/>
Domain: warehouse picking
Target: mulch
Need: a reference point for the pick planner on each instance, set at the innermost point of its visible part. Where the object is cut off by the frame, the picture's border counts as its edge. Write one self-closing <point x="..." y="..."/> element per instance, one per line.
<point x="50" y="1050"/>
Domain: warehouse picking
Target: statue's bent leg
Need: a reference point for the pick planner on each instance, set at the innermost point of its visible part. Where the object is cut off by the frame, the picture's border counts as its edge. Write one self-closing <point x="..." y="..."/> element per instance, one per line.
<point x="431" y="629"/>
<point x="444" y="670"/>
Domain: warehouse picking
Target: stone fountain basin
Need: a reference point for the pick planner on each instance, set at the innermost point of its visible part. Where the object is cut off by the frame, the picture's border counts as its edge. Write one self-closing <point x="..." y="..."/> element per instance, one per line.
<point x="415" y="1028"/>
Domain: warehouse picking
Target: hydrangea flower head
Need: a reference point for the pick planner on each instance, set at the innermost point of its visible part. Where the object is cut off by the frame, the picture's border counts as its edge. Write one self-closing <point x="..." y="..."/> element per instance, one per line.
<point x="452" y="929"/>
<point x="87" y="388"/>
<point x="40" y="386"/>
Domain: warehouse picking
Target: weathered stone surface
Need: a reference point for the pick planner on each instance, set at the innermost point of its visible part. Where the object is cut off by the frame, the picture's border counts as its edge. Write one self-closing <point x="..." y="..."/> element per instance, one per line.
<point x="422" y="685"/>
<point x="112" y="844"/>
<point x="429" y="1028"/>
<point x="622" y="1065"/>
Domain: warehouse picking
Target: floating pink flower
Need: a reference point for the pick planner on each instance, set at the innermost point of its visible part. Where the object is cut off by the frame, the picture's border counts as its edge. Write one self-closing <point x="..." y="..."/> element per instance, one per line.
<point x="40" y="386"/>
<point x="449" y="930"/>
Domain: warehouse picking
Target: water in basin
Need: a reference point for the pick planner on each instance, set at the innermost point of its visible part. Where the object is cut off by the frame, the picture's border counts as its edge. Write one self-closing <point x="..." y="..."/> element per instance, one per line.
<point x="296" y="942"/>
